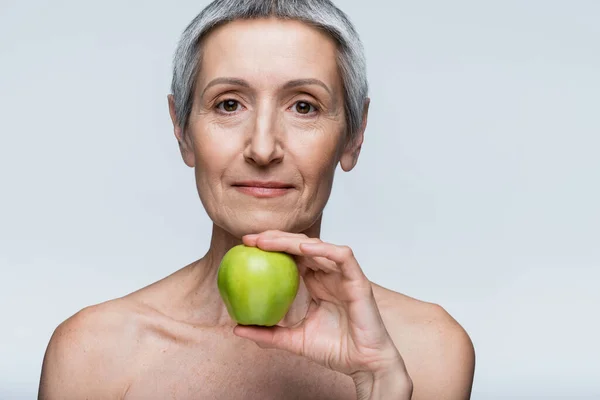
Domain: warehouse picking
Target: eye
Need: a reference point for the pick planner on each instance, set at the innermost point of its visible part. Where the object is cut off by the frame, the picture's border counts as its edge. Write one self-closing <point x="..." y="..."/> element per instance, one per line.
<point x="302" y="107"/>
<point x="228" y="106"/>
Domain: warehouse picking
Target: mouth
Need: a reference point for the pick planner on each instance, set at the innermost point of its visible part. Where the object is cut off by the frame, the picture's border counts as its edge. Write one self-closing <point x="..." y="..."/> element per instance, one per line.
<point x="263" y="189"/>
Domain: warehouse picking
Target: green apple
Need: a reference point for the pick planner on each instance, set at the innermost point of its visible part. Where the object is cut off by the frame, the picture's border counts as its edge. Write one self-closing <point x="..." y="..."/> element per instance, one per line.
<point x="257" y="286"/>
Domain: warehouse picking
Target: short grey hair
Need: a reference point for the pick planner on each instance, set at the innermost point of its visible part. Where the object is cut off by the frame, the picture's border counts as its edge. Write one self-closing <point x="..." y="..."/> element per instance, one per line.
<point x="322" y="14"/>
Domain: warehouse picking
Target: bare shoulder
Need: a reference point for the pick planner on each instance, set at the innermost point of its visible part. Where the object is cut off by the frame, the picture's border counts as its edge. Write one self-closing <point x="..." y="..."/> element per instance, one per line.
<point x="87" y="353"/>
<point x="438" y="352"/>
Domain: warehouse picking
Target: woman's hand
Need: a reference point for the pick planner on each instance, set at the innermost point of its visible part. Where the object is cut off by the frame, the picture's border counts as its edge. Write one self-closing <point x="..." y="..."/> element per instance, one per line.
<point x="343" y="329"/>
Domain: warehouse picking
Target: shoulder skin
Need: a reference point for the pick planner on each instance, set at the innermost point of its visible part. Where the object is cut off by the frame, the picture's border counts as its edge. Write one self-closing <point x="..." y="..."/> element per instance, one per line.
<point x="438" y="352"/>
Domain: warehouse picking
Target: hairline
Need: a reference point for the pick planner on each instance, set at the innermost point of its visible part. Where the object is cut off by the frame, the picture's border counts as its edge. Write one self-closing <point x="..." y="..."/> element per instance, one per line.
<point x="349" y="51"/>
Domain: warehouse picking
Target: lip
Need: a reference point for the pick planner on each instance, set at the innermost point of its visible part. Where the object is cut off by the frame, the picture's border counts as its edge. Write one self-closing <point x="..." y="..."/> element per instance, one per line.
<point x="263" y="189"/>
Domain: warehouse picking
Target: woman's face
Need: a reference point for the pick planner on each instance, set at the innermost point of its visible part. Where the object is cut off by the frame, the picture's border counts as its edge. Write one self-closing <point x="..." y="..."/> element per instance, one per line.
<point x="267" y="127"/>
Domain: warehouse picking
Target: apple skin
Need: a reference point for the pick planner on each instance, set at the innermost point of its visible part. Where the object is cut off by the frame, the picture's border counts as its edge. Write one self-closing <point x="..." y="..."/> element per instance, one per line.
<point x="257" y="286"/>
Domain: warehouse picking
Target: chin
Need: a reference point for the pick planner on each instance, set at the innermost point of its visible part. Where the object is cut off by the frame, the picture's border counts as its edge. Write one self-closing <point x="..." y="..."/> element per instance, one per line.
<point x="260" y="221"/>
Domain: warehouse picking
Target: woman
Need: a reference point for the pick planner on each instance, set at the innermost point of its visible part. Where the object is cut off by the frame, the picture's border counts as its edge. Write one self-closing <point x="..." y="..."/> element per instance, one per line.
<point x="268" y="98"/>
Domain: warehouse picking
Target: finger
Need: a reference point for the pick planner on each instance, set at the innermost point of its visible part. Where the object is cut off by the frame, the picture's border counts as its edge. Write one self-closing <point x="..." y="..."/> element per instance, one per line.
<point x="341" y="255"/>
<point x="288" y="244"/>
<point x="273" y="233"/>
<point x="318" y="291"/>
<point x="320" y="264"/>
<point x="250" y="240"/>
<point x="277" y="337"/>
<point x="291" y="245"/>
<point x="278" y="233"/>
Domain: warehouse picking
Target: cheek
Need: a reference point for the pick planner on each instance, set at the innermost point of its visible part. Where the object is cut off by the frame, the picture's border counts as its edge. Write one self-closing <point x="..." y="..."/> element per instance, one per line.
<point x="213" y="152"/>
<point x="209" y="157"/>
<point x="317" y="159"/>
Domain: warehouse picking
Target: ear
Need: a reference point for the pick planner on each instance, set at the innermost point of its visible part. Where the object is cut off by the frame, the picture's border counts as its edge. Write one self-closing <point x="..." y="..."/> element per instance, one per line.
<point x="185" y="145"/>
<point x="352" y="151"/>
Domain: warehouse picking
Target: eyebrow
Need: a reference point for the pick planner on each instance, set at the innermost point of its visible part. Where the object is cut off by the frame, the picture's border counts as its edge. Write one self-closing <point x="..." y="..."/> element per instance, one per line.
<point x="230" y="81"/>
<point x="288" y="85"/>
<point x="305" y="82"/>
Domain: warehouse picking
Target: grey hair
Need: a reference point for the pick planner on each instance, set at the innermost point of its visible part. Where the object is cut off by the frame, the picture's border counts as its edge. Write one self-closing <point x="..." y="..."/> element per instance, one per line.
<point x="322" y="14"/>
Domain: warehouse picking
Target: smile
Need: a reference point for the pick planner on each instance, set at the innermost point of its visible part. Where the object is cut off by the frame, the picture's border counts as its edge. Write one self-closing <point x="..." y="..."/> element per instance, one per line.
<point x="263" y="189"/>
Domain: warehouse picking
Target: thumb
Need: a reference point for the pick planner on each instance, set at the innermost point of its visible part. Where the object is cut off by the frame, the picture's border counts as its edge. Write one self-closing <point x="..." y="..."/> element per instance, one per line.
<point x="272" y="337"/>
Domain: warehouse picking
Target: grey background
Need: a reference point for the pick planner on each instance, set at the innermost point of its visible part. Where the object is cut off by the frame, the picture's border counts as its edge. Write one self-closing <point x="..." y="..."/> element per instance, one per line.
<point x="477" y="188"/>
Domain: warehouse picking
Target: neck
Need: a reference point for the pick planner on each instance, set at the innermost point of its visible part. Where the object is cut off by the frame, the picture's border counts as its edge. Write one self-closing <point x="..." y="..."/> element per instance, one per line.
<point x="202" y="297"/>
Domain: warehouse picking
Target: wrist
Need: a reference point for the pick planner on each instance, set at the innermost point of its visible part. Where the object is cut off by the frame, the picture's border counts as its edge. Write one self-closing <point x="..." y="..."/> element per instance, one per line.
<point x="391" y="382"/>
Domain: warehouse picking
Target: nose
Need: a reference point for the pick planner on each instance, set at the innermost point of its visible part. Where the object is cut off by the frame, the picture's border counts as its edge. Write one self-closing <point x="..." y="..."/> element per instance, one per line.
<point x="264" y="145"/>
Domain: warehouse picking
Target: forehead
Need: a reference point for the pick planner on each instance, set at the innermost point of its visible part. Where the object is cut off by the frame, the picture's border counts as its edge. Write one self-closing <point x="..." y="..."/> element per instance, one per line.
<point x="269" y="51"/>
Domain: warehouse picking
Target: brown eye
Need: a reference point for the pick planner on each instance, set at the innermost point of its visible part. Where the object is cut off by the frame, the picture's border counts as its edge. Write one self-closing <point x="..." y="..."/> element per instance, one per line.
<point x="229" y="105"/>
<point x="303" y="107"/>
